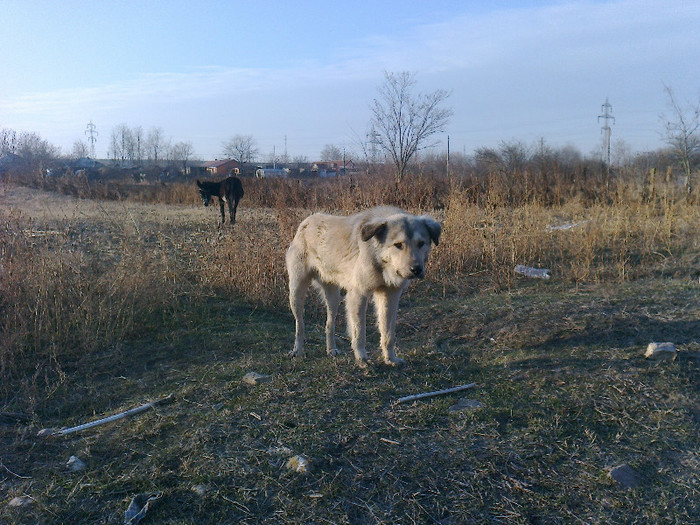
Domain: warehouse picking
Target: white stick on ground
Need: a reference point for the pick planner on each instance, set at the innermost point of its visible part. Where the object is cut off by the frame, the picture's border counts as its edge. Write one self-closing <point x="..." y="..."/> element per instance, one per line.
<point x="115" y="417"/>
<point x="436" y="393"/>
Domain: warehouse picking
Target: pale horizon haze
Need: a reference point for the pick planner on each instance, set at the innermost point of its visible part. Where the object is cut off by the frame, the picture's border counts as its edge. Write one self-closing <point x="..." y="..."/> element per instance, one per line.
<point x="300" y="75"/>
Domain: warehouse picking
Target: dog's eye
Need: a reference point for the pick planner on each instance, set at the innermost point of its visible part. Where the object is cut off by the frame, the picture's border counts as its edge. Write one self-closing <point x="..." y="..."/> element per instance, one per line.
<point x="398" y="245"/>
<point x="421" y="244"/>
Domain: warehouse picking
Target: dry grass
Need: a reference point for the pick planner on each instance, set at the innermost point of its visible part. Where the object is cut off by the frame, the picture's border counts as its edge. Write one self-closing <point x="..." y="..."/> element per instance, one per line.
<point x="107" y="303"/>
<point x="580" y="243"/>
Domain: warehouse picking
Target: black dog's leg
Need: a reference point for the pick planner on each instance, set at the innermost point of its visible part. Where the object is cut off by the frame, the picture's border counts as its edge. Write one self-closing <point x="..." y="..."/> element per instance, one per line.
<point x="221" y="207"/>
<point x="232" y="210"/>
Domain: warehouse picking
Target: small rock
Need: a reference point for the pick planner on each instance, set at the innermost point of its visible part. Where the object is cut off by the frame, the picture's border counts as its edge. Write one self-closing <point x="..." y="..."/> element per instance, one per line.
<point x="253" y="378"/>
<point x="298" y="464"/>
<point x="279" y="451"/>
<point x="661" y="351"/>
<point x="200" y="490"/>
<point x="75" y="464"/>
<point x="466" y="404"/>
<point x="138" y="508"/>
<point x="626" y="476"/>
<point x="20" y="501"/>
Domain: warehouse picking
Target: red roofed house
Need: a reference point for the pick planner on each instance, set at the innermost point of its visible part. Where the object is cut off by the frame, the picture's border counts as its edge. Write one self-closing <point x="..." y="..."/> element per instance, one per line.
<point x="222" y="168"/>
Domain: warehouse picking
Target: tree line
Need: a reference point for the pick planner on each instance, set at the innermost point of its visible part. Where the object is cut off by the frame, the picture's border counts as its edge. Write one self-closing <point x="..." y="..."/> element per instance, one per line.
<point x="403" y="124"/>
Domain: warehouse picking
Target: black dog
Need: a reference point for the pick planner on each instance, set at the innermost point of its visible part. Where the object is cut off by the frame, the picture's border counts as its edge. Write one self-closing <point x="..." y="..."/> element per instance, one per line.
<point x="228" y="190"/>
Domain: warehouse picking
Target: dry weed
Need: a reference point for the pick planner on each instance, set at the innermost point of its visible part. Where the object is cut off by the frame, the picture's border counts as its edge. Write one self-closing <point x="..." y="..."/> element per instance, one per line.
<point x="577" y="242"/>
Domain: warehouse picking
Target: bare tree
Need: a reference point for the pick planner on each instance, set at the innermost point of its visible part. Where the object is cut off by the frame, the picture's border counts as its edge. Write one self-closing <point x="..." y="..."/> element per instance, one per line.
<point x="36" y="151"/>
<point x="682" y="134"/>
<point x="241" y="148"/>
<point x="331" y="152"/>
<point x="181" y="152"/>
<point x="155" y="143"/>
<point x="300" y="161"/>
<point x="138" y="143"/>
<point x="8" y="141"/>
<point x="122" y="144"/>
<point x="622" y="153"/>
<point x="114" y="145"/>
<point x="80" y="150"/>
<point x="404" y="122"/>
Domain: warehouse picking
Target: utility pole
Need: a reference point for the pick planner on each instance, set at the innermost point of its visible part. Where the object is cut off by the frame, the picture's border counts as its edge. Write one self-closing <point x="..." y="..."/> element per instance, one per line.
<point x="607" y="115"/>
<point x="92" y="133"/>
<point x="448" y="157"/>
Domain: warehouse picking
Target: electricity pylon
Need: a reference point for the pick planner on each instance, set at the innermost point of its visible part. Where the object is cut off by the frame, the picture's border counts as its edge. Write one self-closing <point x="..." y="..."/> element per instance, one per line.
<point x="92" y="133"/>
<point x="606" y="130"/>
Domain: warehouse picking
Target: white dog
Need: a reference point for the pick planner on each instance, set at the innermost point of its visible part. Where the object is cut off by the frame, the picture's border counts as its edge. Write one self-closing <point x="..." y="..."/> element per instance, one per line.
<point x="375" y="252"/>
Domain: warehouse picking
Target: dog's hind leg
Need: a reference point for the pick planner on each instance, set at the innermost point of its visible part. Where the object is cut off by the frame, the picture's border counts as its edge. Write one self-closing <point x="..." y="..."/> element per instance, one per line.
<point x="298" y="289"/>
<point x="232" y="210"/>
<point x="299" y="282"/>
<point x="221" y="207"/>
<point x="331" y="295"/>
<point x="356" y="305"/>
<point x="386" y="303"/>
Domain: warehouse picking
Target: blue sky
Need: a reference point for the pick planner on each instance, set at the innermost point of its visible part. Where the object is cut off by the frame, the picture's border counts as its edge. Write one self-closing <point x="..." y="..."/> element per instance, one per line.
<point x="307" y="71"/>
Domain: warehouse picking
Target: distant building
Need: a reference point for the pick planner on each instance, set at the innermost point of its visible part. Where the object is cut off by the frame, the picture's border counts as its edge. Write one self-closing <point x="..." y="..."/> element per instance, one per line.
<point x="267" y="173"/>
<point x="332" y="168"/>
<point x="222" y="168"/>
<point x="85" y="163"/>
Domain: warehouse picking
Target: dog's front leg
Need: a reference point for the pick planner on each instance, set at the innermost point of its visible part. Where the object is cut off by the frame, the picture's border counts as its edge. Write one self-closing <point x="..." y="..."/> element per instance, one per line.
<point x="356" y="306"/>
<point x="386" y="303"/>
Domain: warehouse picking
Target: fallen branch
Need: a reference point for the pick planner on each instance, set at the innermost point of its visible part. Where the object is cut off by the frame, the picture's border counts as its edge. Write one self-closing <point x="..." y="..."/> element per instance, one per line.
<point x="436" y="393"/>
<point x="14" y="474"/>
<point x="108" y="419"/>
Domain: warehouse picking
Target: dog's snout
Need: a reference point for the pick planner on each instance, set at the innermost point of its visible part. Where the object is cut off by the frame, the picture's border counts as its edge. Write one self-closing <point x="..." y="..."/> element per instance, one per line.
<point x="417" y="270"/>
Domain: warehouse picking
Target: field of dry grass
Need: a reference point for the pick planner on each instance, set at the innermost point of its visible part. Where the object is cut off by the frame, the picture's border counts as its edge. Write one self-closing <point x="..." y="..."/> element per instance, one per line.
<point x="112" y="296"/>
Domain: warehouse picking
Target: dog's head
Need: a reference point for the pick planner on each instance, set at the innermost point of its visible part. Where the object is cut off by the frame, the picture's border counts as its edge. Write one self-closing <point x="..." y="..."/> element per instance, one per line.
<point x="403" y="242"/>
<point x="204" y="193"/>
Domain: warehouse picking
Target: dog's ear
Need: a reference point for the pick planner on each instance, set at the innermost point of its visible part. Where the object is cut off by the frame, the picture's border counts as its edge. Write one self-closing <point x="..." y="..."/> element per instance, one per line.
<point x="434" y="228"/>
<point x="199" y="183"/>
<point x="373" y="229"/>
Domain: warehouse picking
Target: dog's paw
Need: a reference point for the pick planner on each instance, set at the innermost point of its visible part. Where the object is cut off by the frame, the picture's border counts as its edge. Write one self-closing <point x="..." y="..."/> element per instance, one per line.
<point x="395" y="361"/>
<point x="296" y="353"/>
<point x="363" y="363"/>
<point x="333" y="352"/>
